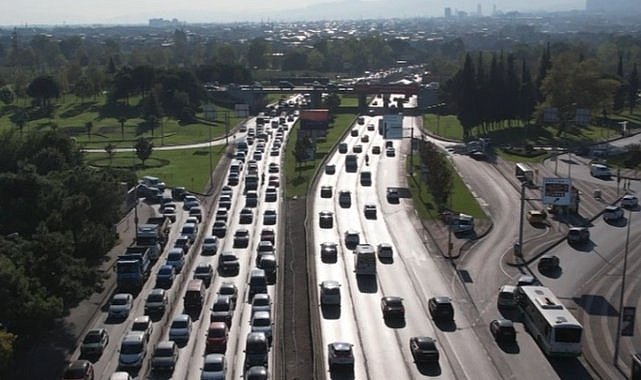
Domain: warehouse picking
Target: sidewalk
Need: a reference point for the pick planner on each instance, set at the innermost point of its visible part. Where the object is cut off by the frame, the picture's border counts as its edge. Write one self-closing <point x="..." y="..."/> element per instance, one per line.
<point x="50" y="355"/>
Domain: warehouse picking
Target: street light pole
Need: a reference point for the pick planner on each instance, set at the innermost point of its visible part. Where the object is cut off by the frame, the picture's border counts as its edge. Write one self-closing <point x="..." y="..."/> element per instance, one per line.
<point x="520" y="251"/>
<point x="625" y="266"/>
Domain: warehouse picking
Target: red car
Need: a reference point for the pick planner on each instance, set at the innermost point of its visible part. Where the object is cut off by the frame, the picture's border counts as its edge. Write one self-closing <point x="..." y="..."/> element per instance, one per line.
<point x="217" y="336"/>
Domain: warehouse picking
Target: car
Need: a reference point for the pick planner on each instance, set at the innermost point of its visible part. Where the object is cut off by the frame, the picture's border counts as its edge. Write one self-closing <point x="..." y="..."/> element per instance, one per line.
<point x="340" y="354"/>
<point x="360" y="120"/>
<point x="246" y="216"/>
<point x="329" y="252"/>
<point x="217" y="337"/>
<point x="390" y="152"/>
<point x="354" y="132"/>
<point x="178" y="193"/>
<point x="342" y="148"/>
<point x="612" y="213"/>
<point x="265" y="246"/>
<point x="352" y="238"/>
<point x="506" y="297"/>
<point x="330" y="293"/>
<point x="358" y="148"/>
<point x="268" y="234"/>
<point x="120" y="305"/>
<point x="196" y="212"/>
<point x="226" y="190"/>
<point x="165" y="356"/>
<point x="228" y="262"/>
<point x="600" y="171"/>
<point x="370" y="127"/>
<point x="392" y="195"/>
<point x="274" y="181"/>
<point x="256" y="373"/>
<point x="183" y="243"/>
<point x="326" y="191"/>
<point x="251" y="199"/>
<point x="180" y="328"/>
<point x="271" y="194"/>
<point x="204" y="271"/>
<point x="210" y="245"/>
<point x="169" y="213"/>
<point x="376" y="149"/>
<point x="79" y="370"/>
<point x="345" y="198"/>
<point x="441" y="308"/>
<point x="369" y="209"/>
<point x="548" y="263"/>
<point x="241" y="238"/>
<point x="133" y="350"/>
<point x="261" y="302"/>
<point x="326" y="219"/>
<point x="190" y="202"/>
<point x="219" y="229"/>
<point x="273" y="167"/>
<point x="224" y="202"/>
<point x="156" y="302"/>
<point x="330" y="169"/>
<point x="392" y="307"/>
<point x="526" y="280"/>
<point x="192" y="220"/>
<point x="120" y="375"/>
<point x="222" y="310"/>
<point x="274" y="152"/>
<point x="578" y="235"/>
<point x="144" y="325"/>
<point x="503" y="330"/>
<point x="365" y="138"/>
<point x="269" y="217"/>
<point x="629" y="201"/>
<point x="190" y="230"/>
<point x="176" y="259"/>
<point x="385" y="251"/>
<point x="94" y="342"/>
<point x="232" y="179"/>
<point x="214" y="367"/>
<point x="424" y="350"/>
<point x="257" y="155"/>
<point x="228" y="288"/>
<point x="536" y="216"/>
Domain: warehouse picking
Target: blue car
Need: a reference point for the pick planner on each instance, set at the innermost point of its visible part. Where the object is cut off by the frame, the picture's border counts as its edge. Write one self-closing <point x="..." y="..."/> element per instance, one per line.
<point x="176" y="259"/>
<point x="165" y="276"/>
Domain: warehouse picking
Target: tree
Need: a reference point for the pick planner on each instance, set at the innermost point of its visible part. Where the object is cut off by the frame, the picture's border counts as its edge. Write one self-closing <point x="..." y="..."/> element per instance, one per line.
<point x="89" y="127"/>
<point x="83" y="88"/>
<point x="300" y="150"/>
<point x="43" y="89"/>
<point x="143" y="78"/>
<point x="545" y="64"/>
<point x="144" y="147"/>
<point x="527" y="95"/>
<point x="257" y="53"/>
<point x="333" y="102"/>
<point x="20" y="118"/>
<point x="440" y="178"/>
<point x="110" y="150"/>
<point x="7" y="340"/>
<point x="122" y="120"/>
<point x="633" y="91"/>
<point x="6" y="94"/>
<point x="467" y="112"/>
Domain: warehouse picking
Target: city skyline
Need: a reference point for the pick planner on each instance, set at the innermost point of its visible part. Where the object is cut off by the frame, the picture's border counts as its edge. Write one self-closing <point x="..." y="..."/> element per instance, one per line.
<point x="68" y="12"/>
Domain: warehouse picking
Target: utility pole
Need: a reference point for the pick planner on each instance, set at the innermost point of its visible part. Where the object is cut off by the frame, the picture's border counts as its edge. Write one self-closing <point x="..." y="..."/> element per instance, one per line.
<point x="412" y="151"/>
<point x="210" y="158"/>
<point x="520" y="249"/>
<point x="226" y="128"/>
<point x="625" y="266"/>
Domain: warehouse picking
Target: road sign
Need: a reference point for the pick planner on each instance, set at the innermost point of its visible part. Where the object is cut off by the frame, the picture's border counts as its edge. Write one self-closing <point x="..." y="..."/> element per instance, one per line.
<point x="392" y="126"/>
<point x="557" y="191"/>
<point x="627" y="321"/>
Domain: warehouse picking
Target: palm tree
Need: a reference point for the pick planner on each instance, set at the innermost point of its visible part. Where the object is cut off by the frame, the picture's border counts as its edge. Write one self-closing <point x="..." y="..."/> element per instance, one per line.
<point x="89" y="126"/>
<point x="122" y="120"/>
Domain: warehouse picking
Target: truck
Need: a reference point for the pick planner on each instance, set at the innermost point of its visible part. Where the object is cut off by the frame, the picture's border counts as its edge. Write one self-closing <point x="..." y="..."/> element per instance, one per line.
<point x="133" y="267"/>
<point x="350" y="163"/>
<point x="365" y="260"/>
<point x="153" y="235"/>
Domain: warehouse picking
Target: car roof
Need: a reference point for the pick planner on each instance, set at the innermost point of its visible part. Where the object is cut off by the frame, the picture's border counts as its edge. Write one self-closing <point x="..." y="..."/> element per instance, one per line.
<point x="78" y="364"/>
<point x="214" y="358"/>
<point x="508" y="288"/>
<point x="341" y="346"/>
<point x="217" y="326"/>
<point x="442" y="300"/>
<point x="328" y="244"/>
<point x="393" y="299"/>
<point x="222" y="298"/>
<point x="96" y="332"/>
<point x="181" y="317"/>
<point x="504" y="322"/>
<point x="143" y="319"/>
<point x="120" y="296"/>
<point x="330" y="284"/>
<point x="423" y="339"/>
<point x="261" y="315"/>
<point x="157" y="291"/>
<point x="166" y="344"/>
<point x="134" y="336"/>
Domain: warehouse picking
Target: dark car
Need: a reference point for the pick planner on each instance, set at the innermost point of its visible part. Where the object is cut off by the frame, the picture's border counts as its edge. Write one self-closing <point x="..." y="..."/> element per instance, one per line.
<point x="326" y="192"/>
<point x="424" y="349"/>
<point x="228" y="262"/>
<point x="340" y="354"/>
<point x="79" y="370"/>
<point x="205" y="272"/>
<point x="548" y="263"/>
<point x="503" y="331"/>
<point x="329" y="252"/>
<point x="228" y="288"/>
<point x="441" y="308"/>
<point x="178" y="193"/>
<point x="222" y="310"/>
<point x="94" y="342"/>
<point x="219" y="229"/>
<point x="268" y="234"/>
<point x="246" y="216"/>
<point x="241" y="238"/>
<point x="392" y="307"/>
<point x="326" y="219"/>
<point x="578" y="235"/>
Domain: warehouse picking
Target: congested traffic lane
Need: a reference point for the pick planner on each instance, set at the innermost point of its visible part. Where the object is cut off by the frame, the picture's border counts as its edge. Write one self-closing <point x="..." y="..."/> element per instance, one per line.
<point x="365" y="327"/>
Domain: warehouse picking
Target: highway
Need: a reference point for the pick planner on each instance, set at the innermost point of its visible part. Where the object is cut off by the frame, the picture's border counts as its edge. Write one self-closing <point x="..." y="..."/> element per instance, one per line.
<point x="381" y="349"/>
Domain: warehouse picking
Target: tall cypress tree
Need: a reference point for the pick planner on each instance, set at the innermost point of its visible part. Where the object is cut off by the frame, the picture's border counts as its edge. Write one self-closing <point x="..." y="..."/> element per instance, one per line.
<point x="482" y="90"/>
<point x="633" y="88"/>
<point x="527" y="95"/>
<point x="467" y="114"/>
<point x="511" y="90"/>
<point x="620" y="66"/>
<point x="544" y="65"/>
<point x="494" y="91"/>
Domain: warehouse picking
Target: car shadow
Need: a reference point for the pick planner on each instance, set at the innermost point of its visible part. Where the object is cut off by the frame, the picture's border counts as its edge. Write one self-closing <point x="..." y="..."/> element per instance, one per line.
<point x="194" y="314"/>
<point x="447" y="326"/>
<point x="367" y="284"/>
<point x="342" y="373"/>
<point x="155" y="317"/>
<point x="539" y="225"/>
<point x="429" y="369"/>
<point x="554" y="273"/>
<point x="386" y="260"/>
<point x="329" y="260"/>
<point x="509" y="348"/>
<point x="226" y="274"/>
<point x="395" y="323"/>
<point x="621" y="222"/>
<point x="511" y="313"/>
<point x="583" y="247"/>
<point x="331" y="311"/>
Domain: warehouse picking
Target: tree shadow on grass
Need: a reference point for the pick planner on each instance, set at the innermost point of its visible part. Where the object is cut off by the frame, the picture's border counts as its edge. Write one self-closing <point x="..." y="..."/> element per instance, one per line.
<point x="79" y="108"/>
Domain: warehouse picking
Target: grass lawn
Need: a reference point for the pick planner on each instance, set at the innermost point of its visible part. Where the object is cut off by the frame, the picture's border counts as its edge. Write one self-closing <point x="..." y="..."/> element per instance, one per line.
<point x="349" y="101"/>
<point x="461" y="201"/>
<point x="184" y="167"/>
<point x="299" y="177"/>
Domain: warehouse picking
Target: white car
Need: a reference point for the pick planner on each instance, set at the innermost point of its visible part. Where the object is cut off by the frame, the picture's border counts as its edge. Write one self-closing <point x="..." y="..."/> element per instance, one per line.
<point x="120" y="305"/>
<point x="144" y="325"/>
<point x="629" y="201"/>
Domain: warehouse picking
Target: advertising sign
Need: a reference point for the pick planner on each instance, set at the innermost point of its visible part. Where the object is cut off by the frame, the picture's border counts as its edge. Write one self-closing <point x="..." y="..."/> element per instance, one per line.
<point x="392" y="127"/>
<point x="557" y="191"/>
<point x="242" y="110"/>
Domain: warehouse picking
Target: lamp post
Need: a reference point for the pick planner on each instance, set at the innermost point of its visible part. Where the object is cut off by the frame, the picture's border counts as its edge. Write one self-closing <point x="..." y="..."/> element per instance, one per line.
<point x="625" y="266"/>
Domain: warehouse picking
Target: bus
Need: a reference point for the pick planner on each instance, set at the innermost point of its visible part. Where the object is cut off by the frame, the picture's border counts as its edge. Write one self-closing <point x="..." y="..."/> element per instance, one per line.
<point x="365" y="260"/>
<point x="550" y="323"/>
<point x="524" y="173"/>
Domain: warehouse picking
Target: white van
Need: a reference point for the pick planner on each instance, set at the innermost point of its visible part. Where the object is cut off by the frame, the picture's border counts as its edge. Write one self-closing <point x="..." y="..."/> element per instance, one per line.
<point x="600" y="171"/>
<point x="507" y="296"/>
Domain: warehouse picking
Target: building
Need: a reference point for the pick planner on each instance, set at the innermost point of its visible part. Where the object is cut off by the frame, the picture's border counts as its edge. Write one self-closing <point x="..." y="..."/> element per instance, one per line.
<point x="448" y="12"/>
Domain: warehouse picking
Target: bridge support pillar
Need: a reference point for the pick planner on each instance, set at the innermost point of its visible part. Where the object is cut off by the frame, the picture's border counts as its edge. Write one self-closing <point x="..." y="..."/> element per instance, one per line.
<point x="362" y="103"/>
<point x="316" y="97"/>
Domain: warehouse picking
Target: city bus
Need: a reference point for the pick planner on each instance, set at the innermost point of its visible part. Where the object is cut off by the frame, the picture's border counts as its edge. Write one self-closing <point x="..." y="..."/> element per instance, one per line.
<point x="550" y="323"/>
<point x="365" y="260"/>
<point x="524" y="173"/>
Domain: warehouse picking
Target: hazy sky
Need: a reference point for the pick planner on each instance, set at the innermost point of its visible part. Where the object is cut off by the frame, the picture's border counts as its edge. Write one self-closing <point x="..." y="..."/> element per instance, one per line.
<point x="57" y="12"/>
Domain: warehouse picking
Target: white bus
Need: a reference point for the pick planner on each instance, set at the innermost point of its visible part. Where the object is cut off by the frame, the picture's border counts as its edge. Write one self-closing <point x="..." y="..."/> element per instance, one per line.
<point x="524" y="173"/>
<point x="365" y="260"/>
<point x="550" y="323"/>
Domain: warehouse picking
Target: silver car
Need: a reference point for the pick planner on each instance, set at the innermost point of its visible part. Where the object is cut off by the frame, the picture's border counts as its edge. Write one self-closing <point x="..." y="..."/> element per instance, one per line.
<point x="180" y="328"/>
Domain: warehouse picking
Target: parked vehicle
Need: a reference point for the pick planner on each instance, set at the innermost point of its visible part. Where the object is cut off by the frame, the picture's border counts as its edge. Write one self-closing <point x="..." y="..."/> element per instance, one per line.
<point x="94" y="342"/>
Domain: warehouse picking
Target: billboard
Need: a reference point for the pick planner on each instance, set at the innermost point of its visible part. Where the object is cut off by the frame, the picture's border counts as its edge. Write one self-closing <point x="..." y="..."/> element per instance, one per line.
<point x="209" y="111"/>
<point x="392" y="126"/>
<point x="557" y="191"/>
<point x="242" y="110"/>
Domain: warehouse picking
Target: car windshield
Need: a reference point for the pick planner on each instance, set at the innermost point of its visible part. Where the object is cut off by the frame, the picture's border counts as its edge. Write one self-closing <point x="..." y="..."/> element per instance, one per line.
<point x="394" y="303"/>
<point x="261" y="322"/>
<point x="92" y="338"/>
<point x="228" y="257"/>
<point x="221" y="306"/>
<point x="163" y="351"/>
<point x="261" y="302"/>
<point x="202" y="269"/>
<point x="179" y="324"/>
<point x="216" y="333"/>
<point x="131" y="348"/>
<point x="210" y="241"/>
<point x="213" y="366"/>
<point x="119" y="301"/>
<point x="331" y="290"/>
<point x="74" y="373"/>
<point x="426" y="345"/>
<point x="154" y="298"/>
<point x="164" y="270"/>
<point x="139" y="326"/>
<point x="226" y="290"/>
<point x="174" y="256"/>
